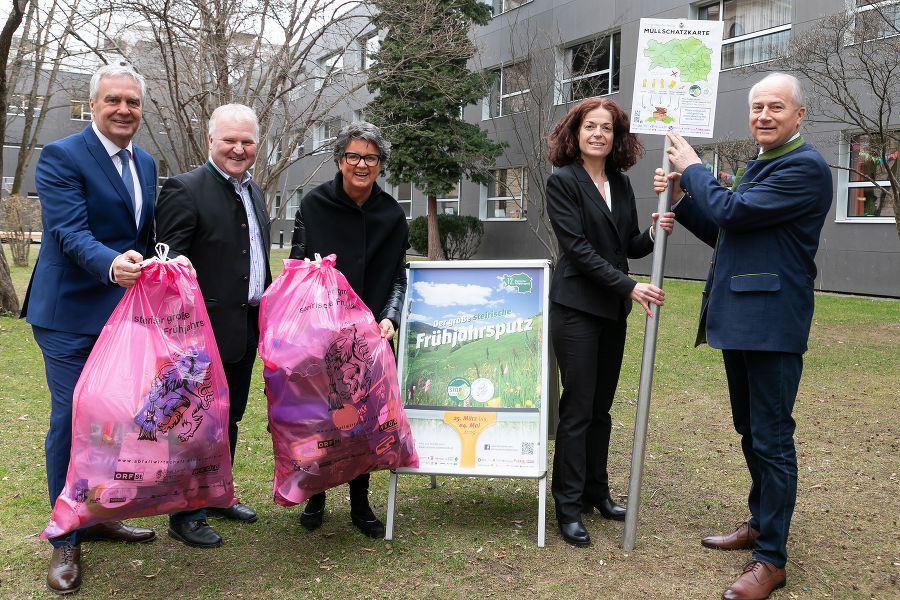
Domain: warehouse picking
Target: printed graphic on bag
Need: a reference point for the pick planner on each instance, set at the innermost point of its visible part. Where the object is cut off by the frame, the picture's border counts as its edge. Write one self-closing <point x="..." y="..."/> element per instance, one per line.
<point x="180" y="385"/>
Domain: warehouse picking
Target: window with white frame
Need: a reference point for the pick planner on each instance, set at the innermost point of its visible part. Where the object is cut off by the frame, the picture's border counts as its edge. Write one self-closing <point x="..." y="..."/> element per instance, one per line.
<point x="293" y="205"/>
<point x="449" y="203"/>
<point x="18" y="104"/>
<point x="276" y="206"/>
<point x="367" y="47"/>
<point x="501" y="6"/>
<point x="865" y="189"/>
<point x="329" y="66"/>
<point x="509" y="91"/>
<point x="324" y="134"/>
<point x="589" y="69"/>
<point x="8" y="184"/>
<point x="296" y="144"/>
<point x="80" y="110"/>
<point x="876" y="19"/>
<point x="504" y="196"/>
<point x="755" y="30"/>
<point x="402" y="193"/>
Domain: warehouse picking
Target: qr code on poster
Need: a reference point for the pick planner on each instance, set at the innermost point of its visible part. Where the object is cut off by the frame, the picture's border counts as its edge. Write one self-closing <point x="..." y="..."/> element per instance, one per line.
<point x="527" y="448"/>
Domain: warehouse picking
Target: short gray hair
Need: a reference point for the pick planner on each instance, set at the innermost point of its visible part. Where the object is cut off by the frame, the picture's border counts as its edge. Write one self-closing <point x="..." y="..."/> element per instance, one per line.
<point x="240" y="112"/>
<point x="116" y="71"/>
<point x="361" y="130"/>
<point x="796" y="88"/>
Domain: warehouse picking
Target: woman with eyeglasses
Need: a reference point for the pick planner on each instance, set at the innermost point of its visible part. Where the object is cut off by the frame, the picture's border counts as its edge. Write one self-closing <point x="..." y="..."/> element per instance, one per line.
<point x="353" y="218"/>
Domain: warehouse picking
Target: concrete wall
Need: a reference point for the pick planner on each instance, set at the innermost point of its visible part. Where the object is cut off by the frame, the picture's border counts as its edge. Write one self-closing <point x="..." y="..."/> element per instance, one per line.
<point x="854" y="257"/>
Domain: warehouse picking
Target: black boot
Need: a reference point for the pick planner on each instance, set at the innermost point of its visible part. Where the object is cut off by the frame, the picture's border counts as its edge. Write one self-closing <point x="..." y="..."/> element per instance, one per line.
<point x="314" y="513"/>
<point x="360" y="512"/>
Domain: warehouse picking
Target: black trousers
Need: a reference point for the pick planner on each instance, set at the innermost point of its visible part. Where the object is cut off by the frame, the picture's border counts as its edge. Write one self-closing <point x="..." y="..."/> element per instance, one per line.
<point x="589" y="353"/>
<point x="237" y="375"/>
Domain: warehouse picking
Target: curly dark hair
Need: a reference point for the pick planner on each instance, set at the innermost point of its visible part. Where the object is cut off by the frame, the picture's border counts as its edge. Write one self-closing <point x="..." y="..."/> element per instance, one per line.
<point x="563" y="141"/>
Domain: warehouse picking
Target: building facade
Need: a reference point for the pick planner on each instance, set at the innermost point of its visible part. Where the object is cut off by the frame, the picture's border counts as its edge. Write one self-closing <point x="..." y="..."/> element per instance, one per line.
<point x="548" y="54"/>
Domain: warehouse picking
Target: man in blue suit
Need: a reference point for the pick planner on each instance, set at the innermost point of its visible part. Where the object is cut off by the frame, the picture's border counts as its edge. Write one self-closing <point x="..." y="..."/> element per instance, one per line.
<point x="758" y="305"/>
<point x="97" y="192"/>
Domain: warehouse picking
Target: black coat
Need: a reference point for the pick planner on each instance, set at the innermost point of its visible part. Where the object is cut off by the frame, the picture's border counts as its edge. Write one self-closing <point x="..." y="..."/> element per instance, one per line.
<point x="200" y="215"/>
<point x="370" y="242"/>
<point x="591" y="273"/>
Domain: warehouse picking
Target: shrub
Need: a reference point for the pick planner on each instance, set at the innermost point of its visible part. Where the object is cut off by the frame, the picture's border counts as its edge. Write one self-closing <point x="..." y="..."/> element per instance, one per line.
<point x="418" y="235"/>
<point x="460" y="235"/>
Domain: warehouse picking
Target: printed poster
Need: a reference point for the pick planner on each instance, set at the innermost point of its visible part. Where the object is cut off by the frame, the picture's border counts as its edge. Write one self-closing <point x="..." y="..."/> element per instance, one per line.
<point x="473" y="366"/>
<point x="676" y="77"/>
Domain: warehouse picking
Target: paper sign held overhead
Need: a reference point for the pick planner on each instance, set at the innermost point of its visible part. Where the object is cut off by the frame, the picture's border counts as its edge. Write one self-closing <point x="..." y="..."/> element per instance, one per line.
<point x="676" y="77"/>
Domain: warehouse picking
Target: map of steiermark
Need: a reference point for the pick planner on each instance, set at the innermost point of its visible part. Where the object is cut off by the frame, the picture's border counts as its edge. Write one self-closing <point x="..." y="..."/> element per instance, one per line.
<point x="690" y="56"/>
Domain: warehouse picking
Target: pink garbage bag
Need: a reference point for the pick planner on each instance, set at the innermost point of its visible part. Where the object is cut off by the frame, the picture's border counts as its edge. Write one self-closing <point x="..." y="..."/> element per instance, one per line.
<point x="331" y="384"/>
<point x="150" y="410"/>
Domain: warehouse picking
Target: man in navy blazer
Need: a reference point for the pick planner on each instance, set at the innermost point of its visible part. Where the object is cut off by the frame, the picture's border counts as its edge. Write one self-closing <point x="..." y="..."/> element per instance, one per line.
<point x="758" y="305"/>
<point x="97" y="191"/>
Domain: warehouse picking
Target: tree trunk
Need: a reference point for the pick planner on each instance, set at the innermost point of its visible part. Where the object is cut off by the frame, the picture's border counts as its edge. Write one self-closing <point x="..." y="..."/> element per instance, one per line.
<point x="435" y="252"/>
<point x="8" y="299"/>
<point x="9" y="302"/>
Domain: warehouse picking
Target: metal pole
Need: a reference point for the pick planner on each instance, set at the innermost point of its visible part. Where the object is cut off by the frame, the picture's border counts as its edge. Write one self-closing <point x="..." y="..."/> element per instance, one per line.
<point x="392" y="499"/>
<point x="542" y="510"/>
<point x="649" y="355"/>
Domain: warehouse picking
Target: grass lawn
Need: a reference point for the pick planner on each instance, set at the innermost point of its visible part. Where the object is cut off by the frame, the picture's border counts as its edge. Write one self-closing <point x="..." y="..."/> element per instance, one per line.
<point x="476" y="537"/>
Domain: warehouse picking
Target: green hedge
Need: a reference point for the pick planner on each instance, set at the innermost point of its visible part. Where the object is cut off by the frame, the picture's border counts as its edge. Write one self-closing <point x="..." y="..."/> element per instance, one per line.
<point x="460" y="235"/>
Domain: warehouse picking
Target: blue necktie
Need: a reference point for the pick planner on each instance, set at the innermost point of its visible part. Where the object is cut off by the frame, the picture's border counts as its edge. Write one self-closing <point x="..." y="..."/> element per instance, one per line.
<point x="126" y="175"/>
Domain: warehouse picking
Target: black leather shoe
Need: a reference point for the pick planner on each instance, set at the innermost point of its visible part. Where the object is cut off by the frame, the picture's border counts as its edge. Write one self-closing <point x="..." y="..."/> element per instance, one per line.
<point x="64" y="575"/>
<point x="575" y="534"/>
<point x="197" y="534"/>
<point x="366" y="521"/>
<point x="607" y="508"/>
<point x="314" y="513"/>
<point x="117" y="531"/>
<point x="238" y="512"/>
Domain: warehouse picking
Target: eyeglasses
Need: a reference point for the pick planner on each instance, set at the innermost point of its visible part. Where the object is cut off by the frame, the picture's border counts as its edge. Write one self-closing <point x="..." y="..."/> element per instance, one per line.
<point x="370" y="159"/>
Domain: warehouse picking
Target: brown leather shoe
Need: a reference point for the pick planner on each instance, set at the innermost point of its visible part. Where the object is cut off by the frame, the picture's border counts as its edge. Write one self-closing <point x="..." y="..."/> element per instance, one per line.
<point x="742" y="538"/>
<point x="64" y="576"/>
<point x="756" y="582"/>
<point x="117" y="531"/>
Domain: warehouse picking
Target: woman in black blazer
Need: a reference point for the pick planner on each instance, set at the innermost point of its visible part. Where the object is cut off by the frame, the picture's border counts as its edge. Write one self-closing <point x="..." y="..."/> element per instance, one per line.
<point x="591" y="207"/>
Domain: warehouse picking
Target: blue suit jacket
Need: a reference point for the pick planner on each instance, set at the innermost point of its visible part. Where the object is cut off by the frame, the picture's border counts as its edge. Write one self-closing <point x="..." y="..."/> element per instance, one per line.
<point x="759" y="293"/>
<point x="88" y="220"/>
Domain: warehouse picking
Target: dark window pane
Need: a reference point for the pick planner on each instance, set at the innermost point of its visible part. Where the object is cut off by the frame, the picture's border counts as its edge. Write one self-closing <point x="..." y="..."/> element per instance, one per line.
<point x="590" y="86"/>
<point x="708" y="13"/>
<point x="515" y="78"/>
<point x="877" y="23"/>
<point x="590" y="57"/>
<point x="866" y="157"/>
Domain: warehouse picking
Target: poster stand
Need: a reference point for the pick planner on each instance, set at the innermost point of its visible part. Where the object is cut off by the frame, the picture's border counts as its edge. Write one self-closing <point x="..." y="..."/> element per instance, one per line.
<point x="473" y="369"/>
<point x="542" y="507"/>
